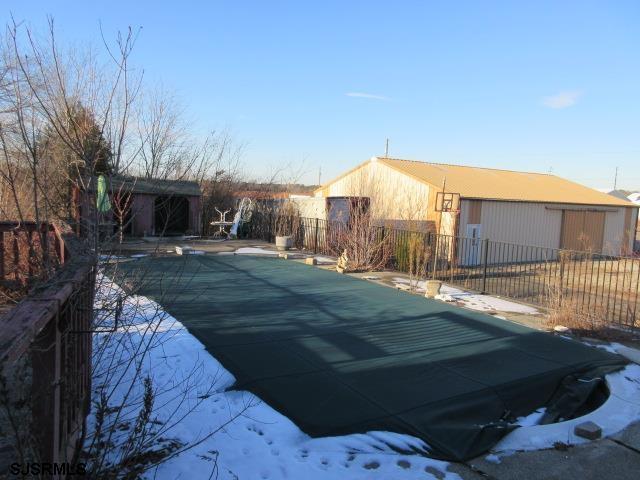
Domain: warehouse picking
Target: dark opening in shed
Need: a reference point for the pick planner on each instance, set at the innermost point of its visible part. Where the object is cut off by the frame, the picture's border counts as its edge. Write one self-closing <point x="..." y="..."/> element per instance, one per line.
<point x="171" y="215"/>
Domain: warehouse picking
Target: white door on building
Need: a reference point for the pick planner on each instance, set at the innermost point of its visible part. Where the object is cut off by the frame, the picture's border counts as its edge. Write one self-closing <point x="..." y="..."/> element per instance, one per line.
<point x="471" y="244"/>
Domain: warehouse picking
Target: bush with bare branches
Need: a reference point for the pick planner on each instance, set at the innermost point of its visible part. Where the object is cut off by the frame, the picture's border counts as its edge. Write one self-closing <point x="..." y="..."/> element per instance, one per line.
<point x="367" y="244"/>
<point x="67" y="116"/>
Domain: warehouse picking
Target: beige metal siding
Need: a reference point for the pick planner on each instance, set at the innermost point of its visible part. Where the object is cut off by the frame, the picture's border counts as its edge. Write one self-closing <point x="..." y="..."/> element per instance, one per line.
<point x="311" y="207"/>
<point x="395" y="198"/>
<point x="538" y="224"/>
<point x="522" y="224"/>
<point x="516" y="222"/>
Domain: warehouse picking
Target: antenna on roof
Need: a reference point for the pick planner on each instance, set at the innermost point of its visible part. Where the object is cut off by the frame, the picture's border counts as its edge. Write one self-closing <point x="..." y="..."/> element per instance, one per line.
<point x="319" y="174"/>
<point x="386" y="149"/>
<point x="615" y="179"/>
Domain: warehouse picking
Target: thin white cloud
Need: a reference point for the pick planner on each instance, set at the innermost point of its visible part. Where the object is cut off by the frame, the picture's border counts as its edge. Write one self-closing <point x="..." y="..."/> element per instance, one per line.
<point x="562" y="99"/>
<point x="370" y="96"/>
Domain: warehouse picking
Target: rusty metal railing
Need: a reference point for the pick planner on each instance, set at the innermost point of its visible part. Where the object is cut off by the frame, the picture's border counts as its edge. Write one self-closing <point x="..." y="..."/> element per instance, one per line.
<point x="45" y="336"/>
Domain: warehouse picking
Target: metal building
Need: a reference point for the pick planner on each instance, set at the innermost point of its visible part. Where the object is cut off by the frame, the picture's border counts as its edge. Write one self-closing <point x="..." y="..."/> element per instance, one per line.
<point x="501" y="205"/>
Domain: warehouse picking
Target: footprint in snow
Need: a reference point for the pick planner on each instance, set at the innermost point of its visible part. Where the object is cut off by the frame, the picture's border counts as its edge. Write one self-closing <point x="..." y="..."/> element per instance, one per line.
<point x="434" y="471"/>
<point x="372" y="465"/>
<point x="275" y="452"/>
<point x="253" y="428"/>
<point x="350" y="458"/>
<point x="403" y="464"/>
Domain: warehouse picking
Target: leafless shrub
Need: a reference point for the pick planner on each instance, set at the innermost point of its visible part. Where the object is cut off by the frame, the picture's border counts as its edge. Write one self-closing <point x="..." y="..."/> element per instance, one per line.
<point x="129" y="432"/>
<point x="567" y="311"/>
<point x="419" y="258"/>
<point x="66" y="117"/>
<point x="367" y="244"/>
<point x="287" y="219"/>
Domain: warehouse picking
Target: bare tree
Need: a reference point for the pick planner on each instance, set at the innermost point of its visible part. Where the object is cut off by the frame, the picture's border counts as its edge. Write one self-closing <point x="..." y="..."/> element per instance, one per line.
<point x="65" y="117"/>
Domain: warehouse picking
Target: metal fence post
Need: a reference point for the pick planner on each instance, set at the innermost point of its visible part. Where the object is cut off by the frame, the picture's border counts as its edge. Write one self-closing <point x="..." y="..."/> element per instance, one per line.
<point x="430" y="250"/>
<point x="436" y="240"/>
<point x="485" y="254"/>
<point x="315" y="240"/>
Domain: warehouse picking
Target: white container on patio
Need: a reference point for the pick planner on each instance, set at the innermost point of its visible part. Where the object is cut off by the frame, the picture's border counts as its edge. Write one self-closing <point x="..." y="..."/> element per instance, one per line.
<point x="433" y="288"/>
<point x="284" y="243"/>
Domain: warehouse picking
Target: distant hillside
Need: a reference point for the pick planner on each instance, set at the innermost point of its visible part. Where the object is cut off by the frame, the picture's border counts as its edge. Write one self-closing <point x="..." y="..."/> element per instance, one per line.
<point x="295" y="188"/>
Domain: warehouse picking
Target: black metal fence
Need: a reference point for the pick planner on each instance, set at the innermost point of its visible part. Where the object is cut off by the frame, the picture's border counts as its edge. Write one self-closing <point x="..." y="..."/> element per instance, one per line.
<point x="608" y="286"/>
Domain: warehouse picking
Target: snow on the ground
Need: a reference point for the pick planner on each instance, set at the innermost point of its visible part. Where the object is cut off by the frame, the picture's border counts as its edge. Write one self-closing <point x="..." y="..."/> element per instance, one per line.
<point x="531" y="419"/>
<point x="474" y="301"/>
<point x="254" y="441"/>
<point x="255" y="251"/>
<point x="188" y="251"/>
<point x="106" y="258"/>
<point x="631" y="354"/>
<point x="483" y="303"/>
<point x="419" y="285"/>
<point x="325" y="260"/>
<point x="621" y="409"/>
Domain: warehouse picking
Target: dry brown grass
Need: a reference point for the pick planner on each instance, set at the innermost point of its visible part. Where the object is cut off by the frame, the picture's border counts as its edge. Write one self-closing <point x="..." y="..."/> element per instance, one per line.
<point x="569" y="312"/>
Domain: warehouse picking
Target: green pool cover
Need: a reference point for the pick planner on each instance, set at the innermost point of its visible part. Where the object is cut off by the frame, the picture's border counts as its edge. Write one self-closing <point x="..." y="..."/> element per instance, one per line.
<point x="340" y="355"/>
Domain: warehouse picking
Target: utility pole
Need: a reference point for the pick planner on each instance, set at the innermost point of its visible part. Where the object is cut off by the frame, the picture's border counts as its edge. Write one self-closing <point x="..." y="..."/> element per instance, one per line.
<point x="615" y="179"/>
<point x="386" y="149"/>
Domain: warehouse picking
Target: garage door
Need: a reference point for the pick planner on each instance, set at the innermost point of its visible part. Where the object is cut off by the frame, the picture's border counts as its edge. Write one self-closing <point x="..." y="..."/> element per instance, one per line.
<point x="582" y="230"/>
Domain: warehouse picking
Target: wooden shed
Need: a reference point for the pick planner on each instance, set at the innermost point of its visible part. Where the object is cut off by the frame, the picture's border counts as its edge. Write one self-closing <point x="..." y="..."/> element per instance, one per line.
<point x="148" y="207"/>
<point x="502" y="205"/>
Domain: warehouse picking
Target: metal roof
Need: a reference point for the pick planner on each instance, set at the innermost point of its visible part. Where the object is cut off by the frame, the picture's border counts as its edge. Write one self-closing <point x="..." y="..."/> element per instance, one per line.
<point x="504" y="185"/>
<point x="152" y="186"/>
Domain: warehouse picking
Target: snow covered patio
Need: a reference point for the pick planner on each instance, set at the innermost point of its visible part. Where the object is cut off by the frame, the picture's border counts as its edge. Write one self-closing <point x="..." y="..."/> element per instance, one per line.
<point x="339" y="355"/>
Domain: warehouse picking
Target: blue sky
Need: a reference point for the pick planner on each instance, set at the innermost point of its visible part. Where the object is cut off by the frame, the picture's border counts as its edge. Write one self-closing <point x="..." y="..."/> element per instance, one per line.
<point x="518" y="85"/>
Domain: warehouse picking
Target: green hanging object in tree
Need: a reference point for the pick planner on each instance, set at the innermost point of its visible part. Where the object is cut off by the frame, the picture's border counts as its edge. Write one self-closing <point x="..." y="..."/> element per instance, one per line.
<point x="102" y="197"/>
